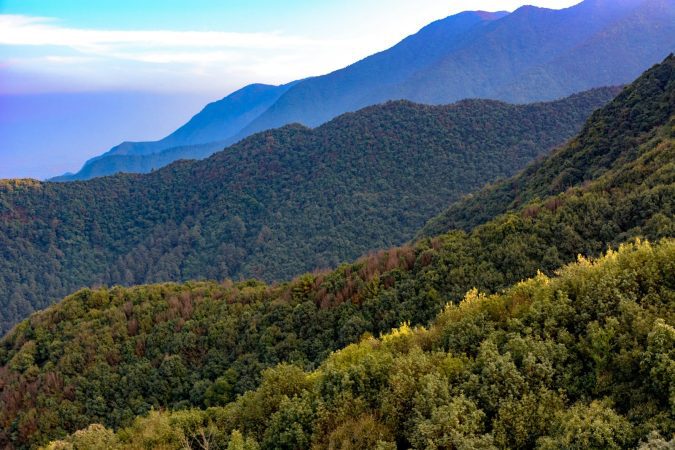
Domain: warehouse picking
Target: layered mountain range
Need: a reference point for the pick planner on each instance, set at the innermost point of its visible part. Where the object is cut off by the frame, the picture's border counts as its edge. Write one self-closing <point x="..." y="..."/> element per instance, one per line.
<point x="368" y="260"/>
<point x="575" y="357"/>
<point x="532" y="54"/>
<point x="274" y="205"/>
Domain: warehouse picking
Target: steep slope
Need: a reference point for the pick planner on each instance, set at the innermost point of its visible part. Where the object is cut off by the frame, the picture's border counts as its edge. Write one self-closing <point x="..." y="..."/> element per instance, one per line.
<point x="122" y="351"/>
<point x="610" y="139"/>
<point x="582" y="360"/>
<point x="529" y="55"/>
<point x="540" y="53"/>
<point x="272" y="206"/>
<point x="641" y="37"/>
<point x="210" y="130"/>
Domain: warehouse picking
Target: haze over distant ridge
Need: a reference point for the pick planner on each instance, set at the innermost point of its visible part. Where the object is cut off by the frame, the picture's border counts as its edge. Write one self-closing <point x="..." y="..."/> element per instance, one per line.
<point x="532" y="54"/>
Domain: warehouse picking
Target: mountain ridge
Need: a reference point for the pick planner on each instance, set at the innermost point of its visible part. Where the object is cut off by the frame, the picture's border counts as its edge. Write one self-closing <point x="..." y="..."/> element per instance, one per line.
<point x="532" y="54"/>
<point x="545" y="177"/>
<point x="229" y="360"/>
<point x="434" y="91"/>
<point x="276" y="204"/>
<point x="211" y="129"/>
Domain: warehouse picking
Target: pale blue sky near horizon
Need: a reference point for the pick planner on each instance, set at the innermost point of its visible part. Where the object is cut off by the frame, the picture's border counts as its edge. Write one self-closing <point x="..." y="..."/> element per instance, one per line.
<point x="143" y="67"/>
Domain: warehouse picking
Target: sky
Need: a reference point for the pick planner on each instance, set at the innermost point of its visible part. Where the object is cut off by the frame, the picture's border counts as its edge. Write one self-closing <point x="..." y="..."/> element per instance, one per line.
<point x="173" y="55"/>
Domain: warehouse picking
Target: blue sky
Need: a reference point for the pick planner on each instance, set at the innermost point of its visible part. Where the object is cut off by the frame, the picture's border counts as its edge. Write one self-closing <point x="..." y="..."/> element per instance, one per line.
<point x="250" y="15"/>
<point x="78" y="77"/>
<point x="201" y="45"/>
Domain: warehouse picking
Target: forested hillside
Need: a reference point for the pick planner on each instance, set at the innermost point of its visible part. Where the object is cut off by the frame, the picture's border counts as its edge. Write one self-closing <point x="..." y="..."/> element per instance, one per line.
<point x="272" y="206"/>
<point x="580" y="361"/>
<point x="611" y="138"/>
<point x="104" y="356"/>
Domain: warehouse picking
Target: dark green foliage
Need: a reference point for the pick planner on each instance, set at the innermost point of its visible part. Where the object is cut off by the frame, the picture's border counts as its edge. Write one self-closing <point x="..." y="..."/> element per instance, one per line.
<point x="272" y="206"/>
<point x="609" y="139"/>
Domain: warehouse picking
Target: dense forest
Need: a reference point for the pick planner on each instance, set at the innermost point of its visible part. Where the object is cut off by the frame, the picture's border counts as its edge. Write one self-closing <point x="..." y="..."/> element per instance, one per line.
<point x="585" y="360"/>
<point x="106" y="355"/>
<point x="611" y="138"/>
<point x="273" y="206"/>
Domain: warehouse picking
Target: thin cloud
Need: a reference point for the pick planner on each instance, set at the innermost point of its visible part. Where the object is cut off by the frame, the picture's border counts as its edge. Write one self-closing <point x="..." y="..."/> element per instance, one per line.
<point x="27" y="30"/>
<point x="219" y="60"/>
<point x="42" y="54"/>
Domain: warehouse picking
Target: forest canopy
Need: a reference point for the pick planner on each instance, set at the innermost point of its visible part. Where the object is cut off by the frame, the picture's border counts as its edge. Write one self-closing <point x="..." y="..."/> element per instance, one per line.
<point x="276" y="205"/>
<point x="575" y="358"/>
<point x="581" y="360"/>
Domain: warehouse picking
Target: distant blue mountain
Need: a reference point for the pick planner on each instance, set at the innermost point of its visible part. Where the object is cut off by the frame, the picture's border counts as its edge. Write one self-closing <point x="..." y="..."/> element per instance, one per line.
<point x="540" y="54"/>
<point x="532" y="54"/>
<point x="44" y="134"/>
<point x="212" y="129"/>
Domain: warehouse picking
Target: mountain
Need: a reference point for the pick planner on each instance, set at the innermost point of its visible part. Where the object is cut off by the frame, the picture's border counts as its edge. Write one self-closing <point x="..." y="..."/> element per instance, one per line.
<point x="276" y="204"/>
<point x="44" y="134"/>
<point x="537" y="53"/>
<point x="140" y="163"/>
<point x="529" y="55"/>
<point x="212" y="129"/>
<point x="532" y="54"/>
<point x="608" y="142"/>
<point x="585" y="357"/>
<point x="374" y="79"/>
